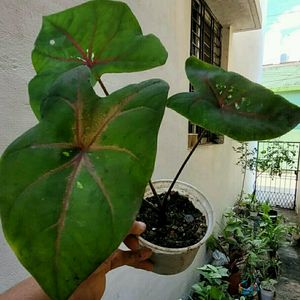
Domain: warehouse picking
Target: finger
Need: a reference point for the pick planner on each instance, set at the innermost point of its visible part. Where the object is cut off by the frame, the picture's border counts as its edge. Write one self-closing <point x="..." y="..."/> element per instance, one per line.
<point x="145" y="265"/>
<point x="132" y="242"/>
<point x="137" y="228"/>
<point x="130" y="258"/>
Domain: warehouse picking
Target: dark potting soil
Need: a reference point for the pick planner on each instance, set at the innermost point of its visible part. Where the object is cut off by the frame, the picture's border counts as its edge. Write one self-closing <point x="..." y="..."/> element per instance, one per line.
<point x="183" y="224"/>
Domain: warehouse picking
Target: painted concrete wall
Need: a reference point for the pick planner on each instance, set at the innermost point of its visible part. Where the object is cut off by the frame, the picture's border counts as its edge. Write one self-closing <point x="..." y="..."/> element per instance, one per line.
<point x="212" y="169"/>
<point x="297" y="208"/>
<point x="20" y="22"/>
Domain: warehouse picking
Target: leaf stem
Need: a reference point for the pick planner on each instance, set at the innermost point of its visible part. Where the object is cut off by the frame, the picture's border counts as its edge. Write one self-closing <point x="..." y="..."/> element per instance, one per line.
<point x="154" y="191"/>
<point x="103" y="87"/>
<point x="182" y="167"/>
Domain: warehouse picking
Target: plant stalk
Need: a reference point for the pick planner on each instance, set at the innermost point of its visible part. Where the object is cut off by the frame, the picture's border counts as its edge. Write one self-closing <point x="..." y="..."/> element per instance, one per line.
<point x="181" y="169"/>
<point x="103" y="87"/>
<point x="154" y="192"/>
<point x="244" y="175"/>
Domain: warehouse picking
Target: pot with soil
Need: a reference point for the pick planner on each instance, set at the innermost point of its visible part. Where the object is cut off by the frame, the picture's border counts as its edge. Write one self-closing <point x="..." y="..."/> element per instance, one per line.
<point x="176" y="226"/>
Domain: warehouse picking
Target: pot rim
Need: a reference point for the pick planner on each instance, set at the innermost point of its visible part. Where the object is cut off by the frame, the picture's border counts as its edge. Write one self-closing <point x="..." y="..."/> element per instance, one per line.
<point x="208" y="211"/>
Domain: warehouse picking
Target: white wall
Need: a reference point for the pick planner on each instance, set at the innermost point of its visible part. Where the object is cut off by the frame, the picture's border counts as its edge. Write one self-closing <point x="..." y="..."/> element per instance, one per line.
<point x="297" y="209"/>
<point x="212" y="168"/>
<point x="20" y="22"/>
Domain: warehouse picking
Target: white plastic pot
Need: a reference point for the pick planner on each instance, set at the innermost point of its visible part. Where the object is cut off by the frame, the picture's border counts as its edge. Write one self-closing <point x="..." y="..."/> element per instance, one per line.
<point x="266" y="295"/>
<point x="168" y="261"/>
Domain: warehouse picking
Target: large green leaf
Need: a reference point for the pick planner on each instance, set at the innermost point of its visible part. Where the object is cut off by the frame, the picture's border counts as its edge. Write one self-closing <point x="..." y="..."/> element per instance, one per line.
<point x="227" y="103"/>
<point x="101" y="34"/>
<point x="72" y="185"/>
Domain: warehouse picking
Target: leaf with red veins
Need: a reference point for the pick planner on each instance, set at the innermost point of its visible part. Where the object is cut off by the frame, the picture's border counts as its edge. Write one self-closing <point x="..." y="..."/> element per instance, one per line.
<point x="71" y="186"/>
<point x="230" y="104"/>
<point x="103" y="35"/>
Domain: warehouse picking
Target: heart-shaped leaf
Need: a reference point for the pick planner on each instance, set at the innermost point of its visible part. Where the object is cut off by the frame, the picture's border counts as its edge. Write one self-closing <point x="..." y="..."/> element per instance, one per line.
<point x="227" y="103"/>
<point x="72" y="185"/>
<point x="101" y="34"/>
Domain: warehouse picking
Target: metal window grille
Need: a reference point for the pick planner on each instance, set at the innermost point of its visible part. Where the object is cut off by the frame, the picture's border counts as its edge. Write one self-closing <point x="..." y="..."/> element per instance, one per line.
<point x="206" y="37"/>
<point x="279" y="190"/>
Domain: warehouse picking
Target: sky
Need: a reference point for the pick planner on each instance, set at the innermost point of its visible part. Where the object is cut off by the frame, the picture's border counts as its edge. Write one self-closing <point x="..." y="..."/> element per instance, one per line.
<point x="282" y="31"/>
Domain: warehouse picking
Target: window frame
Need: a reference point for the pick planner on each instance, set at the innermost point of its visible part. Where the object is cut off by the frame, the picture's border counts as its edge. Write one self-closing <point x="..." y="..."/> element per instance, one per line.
<point x="205" y="44"/>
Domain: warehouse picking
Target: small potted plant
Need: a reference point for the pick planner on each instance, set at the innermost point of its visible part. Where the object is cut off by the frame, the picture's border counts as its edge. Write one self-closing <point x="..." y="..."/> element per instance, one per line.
<point x="254" y="207"/>
<point x="267" y="289"/>
<point x="86" y="163"/>
<point x="212" y="284"/>
<point x="295" y="230"/>
<point x="176" y="228"/>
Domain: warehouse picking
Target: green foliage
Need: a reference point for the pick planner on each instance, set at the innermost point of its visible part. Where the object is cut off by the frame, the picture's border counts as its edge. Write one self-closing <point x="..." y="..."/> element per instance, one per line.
<point x="103" y="35"/>
<point x="251" y="243"/>
<point x="276" y="158"/>
<point x="246" y="157"/>
<point x="275" y="232"/>
<point x="294" y="230"/>
<point x="71" y="185"/>
<point x="212" y="274"/>
<point x="268" y="285"/>
<point x="67" y="187"/>
<point x="208" y="292"/>
<point x="272" y="160"/>
<point x="227" y="103"/>
<point x="212" y="284"/>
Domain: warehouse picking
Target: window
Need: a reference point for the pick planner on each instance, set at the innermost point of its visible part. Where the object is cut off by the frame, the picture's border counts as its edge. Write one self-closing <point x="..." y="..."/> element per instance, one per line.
<point x="206" y="36"/>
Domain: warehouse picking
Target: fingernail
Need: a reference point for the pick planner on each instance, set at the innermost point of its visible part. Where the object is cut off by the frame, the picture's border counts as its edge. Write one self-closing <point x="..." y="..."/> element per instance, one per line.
<point x="142" y="225"/>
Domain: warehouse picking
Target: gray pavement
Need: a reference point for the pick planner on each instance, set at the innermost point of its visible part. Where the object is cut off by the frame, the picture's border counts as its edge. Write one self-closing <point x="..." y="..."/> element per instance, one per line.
<point x="288" y="287"/>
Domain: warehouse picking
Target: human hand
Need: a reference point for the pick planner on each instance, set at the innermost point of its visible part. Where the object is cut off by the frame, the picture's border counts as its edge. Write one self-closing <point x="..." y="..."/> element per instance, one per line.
<point x="93" y="287"/>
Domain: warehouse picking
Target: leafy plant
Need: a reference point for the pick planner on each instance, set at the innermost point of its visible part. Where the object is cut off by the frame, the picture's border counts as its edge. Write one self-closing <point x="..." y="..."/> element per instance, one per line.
<point x="255" y="260"/>
<point x="274" y="232"/>
<point x="294" y="230"/>
<point x="208" y="292"/>
<point x="272" y="160"/>
<point x="252" y="243"/>
<point x="268" y="284"/>
<point x="212" y="284"/>
<point x="213" y="275"/>
<point x="86" y="163"/>
<point x="102" y="35"/>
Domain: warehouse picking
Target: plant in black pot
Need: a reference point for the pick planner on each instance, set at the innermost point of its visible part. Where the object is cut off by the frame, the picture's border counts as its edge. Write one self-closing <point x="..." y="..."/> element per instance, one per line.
<point x="87" y="161"/>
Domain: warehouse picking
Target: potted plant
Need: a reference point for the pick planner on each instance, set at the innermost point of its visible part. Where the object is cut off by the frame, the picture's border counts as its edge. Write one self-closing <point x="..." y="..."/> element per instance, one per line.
<point x="212" y="284"/>
<point x="274" y="232"/>
<point x="176" y="236"/>
<point x="86" y="163"/>
<point x="252" y="261"/>
<point x="295" y="230"/>
<point x="267" y="289"/>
